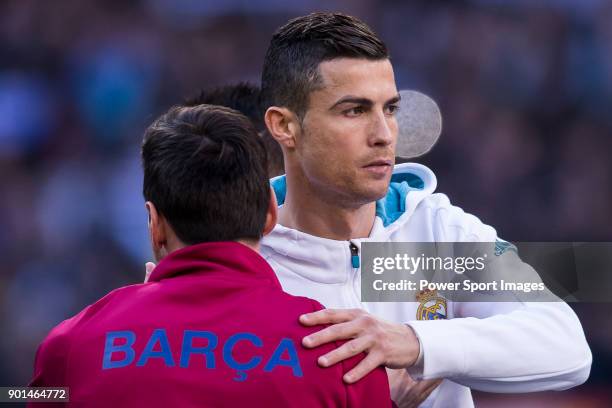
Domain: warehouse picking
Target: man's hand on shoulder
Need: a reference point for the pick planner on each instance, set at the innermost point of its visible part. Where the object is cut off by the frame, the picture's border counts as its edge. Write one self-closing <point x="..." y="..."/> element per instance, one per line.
<point x="388" y="344"/>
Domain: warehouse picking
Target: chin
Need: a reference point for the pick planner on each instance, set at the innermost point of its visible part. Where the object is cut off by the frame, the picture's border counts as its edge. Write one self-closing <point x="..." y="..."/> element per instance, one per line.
<point x="375" y="193"/>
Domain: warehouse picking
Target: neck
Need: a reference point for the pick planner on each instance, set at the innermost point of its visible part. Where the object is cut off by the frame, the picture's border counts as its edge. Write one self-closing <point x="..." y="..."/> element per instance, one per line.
<point x="253" y="244"/>
<point x="316" y="214"/>
<point x="175" y="244"/>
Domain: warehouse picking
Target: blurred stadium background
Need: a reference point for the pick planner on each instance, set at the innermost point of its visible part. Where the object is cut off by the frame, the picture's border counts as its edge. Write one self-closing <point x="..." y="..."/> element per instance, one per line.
<point x="525" y="89"/>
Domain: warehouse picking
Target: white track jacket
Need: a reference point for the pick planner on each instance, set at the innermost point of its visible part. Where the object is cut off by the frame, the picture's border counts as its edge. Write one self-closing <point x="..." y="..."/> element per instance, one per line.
<point x="490" y="346"/>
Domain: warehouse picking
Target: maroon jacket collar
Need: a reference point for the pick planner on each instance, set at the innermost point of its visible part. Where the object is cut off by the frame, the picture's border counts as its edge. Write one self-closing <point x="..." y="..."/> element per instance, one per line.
<point x="230" y="258"/>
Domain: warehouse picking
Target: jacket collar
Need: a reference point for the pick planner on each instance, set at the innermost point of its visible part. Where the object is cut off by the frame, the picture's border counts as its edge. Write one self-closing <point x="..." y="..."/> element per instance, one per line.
<point x="325" y="260"/>
<point x="231" y="259"/>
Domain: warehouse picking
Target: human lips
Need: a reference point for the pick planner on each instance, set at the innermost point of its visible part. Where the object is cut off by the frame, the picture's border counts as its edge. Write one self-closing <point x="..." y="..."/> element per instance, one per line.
<point x="379" y="167"/>
<point x="380" y="162"/>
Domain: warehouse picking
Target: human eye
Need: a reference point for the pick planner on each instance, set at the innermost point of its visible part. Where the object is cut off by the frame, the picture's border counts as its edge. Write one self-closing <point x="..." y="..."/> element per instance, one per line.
<point x="392" y="109"/>
<point x="354" y="111"/>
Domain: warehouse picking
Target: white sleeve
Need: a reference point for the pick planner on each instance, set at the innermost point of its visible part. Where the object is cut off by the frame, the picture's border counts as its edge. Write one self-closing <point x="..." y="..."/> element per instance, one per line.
<point x="505" y="347"/>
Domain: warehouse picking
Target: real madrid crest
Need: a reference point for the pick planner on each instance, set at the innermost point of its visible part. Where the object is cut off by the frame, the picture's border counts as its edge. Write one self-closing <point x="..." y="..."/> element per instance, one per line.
<point x="431" y="307"/>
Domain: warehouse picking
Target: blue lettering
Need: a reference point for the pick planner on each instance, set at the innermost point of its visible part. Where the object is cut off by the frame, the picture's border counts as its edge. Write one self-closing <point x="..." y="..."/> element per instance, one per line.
<point x="158" y="336"/>
<point x="187" y="349"/>
<point x="285" y="353"/>
<point x="110" y="348"/>
<point x="229" y="358"/>
<point x="293" y="361"/>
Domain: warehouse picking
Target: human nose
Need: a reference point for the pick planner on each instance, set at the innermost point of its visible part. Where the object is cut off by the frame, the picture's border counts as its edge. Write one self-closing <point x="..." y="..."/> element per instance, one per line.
<point x="383" y="130"/>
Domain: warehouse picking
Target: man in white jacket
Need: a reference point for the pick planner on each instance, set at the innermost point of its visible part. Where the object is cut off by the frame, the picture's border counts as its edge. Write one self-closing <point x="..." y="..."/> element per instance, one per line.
<point x="331" y="96"/>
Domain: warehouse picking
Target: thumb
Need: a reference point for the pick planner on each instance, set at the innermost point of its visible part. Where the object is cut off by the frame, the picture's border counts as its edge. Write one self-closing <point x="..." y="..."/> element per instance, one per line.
<point x="149" y="267"/>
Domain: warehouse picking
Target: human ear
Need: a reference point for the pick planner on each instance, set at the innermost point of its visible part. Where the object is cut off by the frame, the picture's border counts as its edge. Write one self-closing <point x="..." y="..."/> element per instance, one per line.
<point x="272" y="215"/>
<point x="282" y="125"/>
<point x="157" y="231"/>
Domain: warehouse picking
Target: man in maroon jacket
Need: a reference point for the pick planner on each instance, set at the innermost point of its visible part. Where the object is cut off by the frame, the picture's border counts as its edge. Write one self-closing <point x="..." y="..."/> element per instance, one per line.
<point x="212" y="327"/>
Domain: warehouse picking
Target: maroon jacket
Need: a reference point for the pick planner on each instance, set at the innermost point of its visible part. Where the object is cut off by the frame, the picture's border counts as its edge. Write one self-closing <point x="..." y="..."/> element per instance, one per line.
<point x="212" y="328"/>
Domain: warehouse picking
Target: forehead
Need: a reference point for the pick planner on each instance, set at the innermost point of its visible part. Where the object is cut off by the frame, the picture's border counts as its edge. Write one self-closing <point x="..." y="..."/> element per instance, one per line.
<point x="357" y="77"/>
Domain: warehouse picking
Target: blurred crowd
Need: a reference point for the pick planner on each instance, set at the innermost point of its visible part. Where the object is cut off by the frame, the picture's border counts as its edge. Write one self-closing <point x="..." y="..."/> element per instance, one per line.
<point x="525" y="90"/>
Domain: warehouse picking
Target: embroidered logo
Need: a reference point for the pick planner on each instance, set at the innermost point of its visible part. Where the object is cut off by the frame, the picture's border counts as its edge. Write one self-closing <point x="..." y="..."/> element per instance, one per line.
<point x="432" y="306"/>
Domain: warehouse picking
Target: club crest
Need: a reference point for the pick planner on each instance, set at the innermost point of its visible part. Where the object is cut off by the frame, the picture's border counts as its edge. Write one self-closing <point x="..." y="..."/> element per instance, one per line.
<point x="431" y="307"/>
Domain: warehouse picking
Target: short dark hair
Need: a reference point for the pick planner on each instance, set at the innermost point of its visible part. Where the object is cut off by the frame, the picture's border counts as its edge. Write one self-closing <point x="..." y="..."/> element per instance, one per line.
<point x="243" y="97"/>
<point x="246" y="99"/>
<point x="290" y="72"/>
<point x="205" y="171"/>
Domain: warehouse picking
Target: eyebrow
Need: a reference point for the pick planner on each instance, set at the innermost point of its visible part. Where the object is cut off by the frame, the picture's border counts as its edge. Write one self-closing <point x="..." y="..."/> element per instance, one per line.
<point x="363" y="101"/>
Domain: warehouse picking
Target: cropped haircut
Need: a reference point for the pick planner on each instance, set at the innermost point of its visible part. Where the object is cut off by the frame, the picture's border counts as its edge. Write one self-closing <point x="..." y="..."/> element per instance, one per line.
<point x="291" y="65"/>
<point x="205" y="172"/>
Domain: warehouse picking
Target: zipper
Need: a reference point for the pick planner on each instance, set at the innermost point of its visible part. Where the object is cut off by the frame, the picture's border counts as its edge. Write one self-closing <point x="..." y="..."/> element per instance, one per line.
<point x="353" y="290"/>
<point x="354" y="255"/>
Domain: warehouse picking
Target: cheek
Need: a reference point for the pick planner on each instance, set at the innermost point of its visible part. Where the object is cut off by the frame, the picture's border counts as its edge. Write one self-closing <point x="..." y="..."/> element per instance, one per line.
<point x="326" y="160"/>
<point x="333" y="148"/>
<point x="341" y="139"/>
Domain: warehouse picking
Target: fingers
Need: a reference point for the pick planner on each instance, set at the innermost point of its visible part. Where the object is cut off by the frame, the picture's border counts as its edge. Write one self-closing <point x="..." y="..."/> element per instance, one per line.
<point x="390" y="344"/>
<point x="347" y="350"/>
<point x="399" y="376"/>
<point x="340" y="331"/>
<point x="421" y="390"/>
<point x="327" y="316"/>
<point x="149" y="267"/>
<point x="406" y="392"/>
<point x="369" y="363"/>
<point x="429" y="386"/>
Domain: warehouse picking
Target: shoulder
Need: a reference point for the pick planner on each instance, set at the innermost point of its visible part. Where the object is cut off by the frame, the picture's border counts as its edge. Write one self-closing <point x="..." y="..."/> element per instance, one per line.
<point x="53" y="352"/>
<point x="292" y="306"/>
<point x="452" y="223"/>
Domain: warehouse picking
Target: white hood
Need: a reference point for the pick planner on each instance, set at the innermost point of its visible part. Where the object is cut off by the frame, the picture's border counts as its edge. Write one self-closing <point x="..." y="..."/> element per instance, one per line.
<point x="410" y="184"/>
